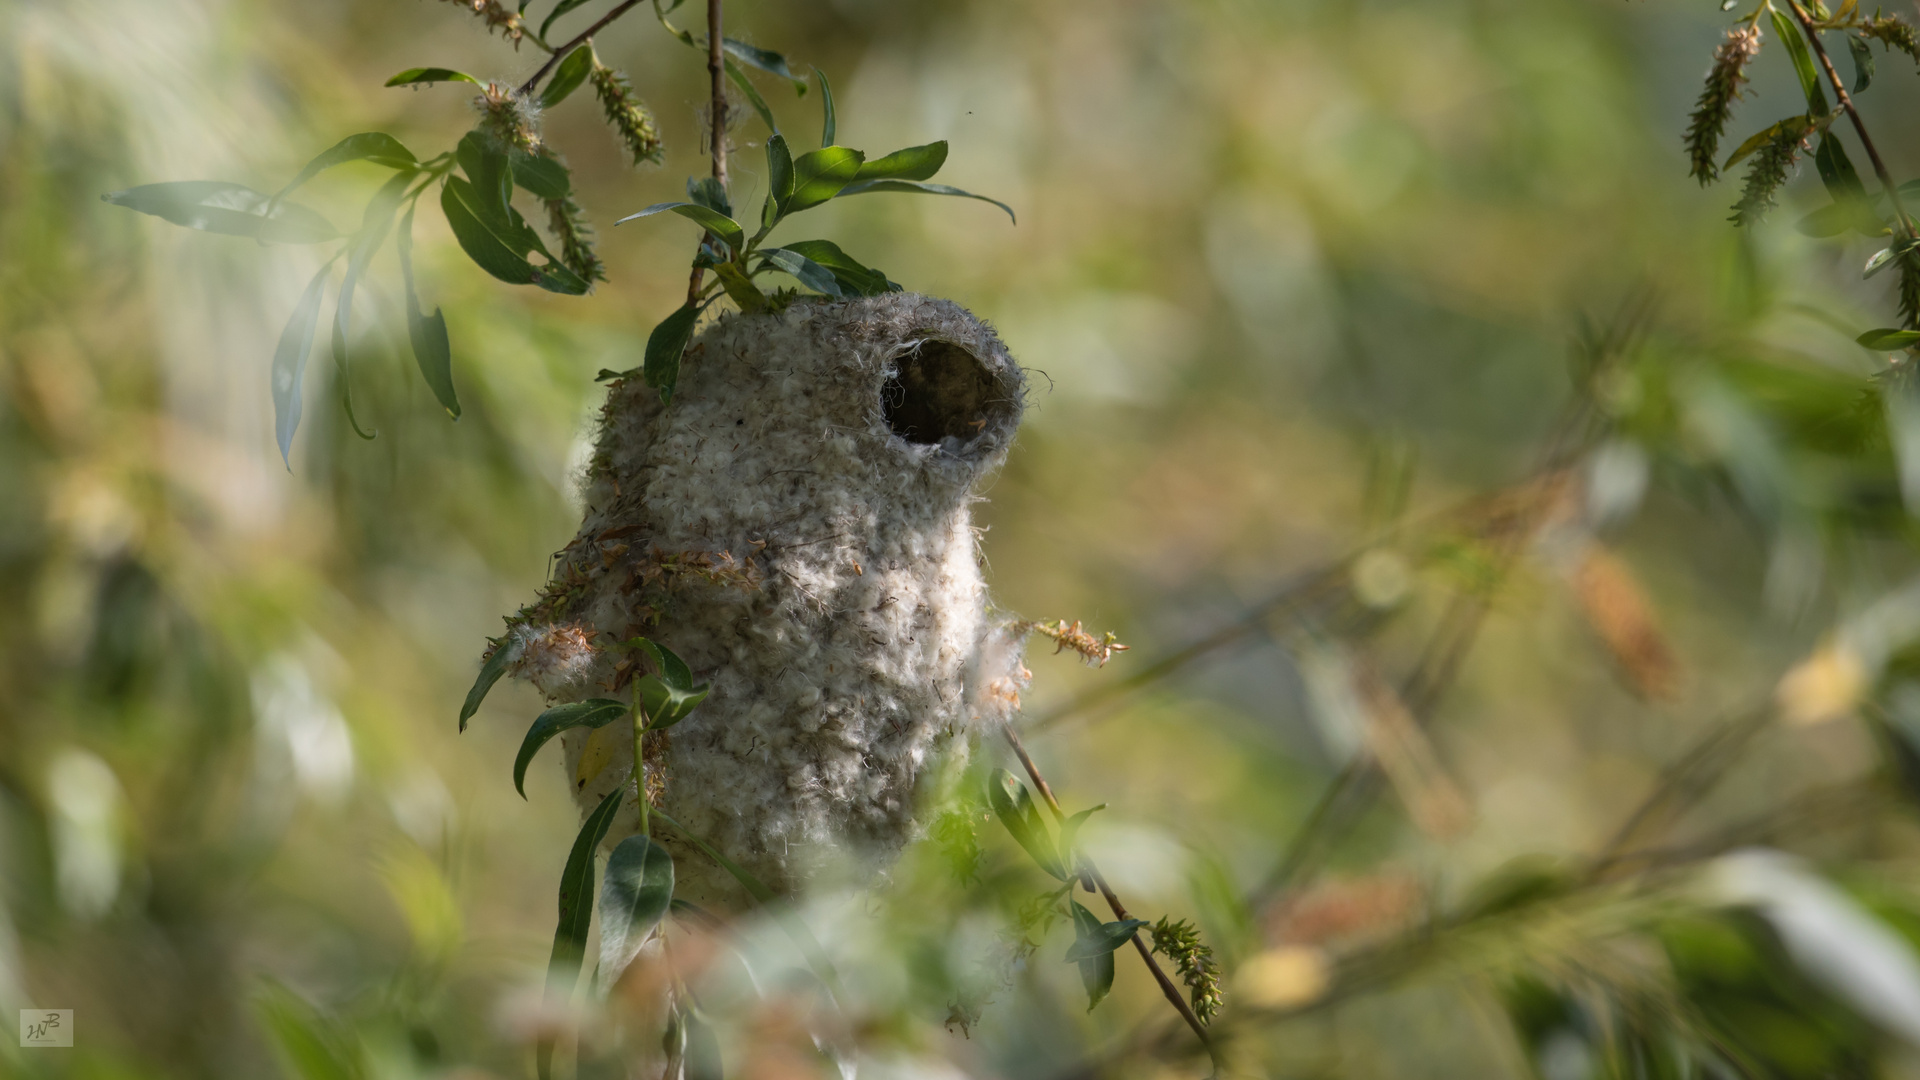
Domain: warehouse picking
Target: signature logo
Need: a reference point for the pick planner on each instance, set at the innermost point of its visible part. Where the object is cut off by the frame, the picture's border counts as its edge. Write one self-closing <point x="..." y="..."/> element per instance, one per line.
<point x="46" y="1027"/>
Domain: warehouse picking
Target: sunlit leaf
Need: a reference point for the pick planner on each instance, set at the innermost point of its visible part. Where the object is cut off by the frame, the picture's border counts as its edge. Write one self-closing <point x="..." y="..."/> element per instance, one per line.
<point x="853" y="277"/>
<point x="1877" y="262"/>
<point x="483" y="242"/>
<point x="491" y="175"/>
<point x="1789" y="32"/>
<point x="912" y="163"/>
<point x="1889" y="338"/>
<point x="1015" y="808"/>
<point x="864" y="186"/>
<point x="568" y="76"/>
<point x="432" y="351"/>
<point x="373" y="146"/>
<point x="230" y="209"/>
<point x="720" y="225"/>
<point x="819" y="175"/>
<point x="1096" y="971"/>
<point x="490" y="673"/>
<point x="827" y="133"/>
<point x="809" y="273"/>
<point x="309" y="1047"/>
<point x="593" y="713"/>
<point x="290" y="362"/>
<point x="770" y="62"/>
<point x="1070" y="829"/>
<point x="634" y="896"/>
<point x="420" y="75"/>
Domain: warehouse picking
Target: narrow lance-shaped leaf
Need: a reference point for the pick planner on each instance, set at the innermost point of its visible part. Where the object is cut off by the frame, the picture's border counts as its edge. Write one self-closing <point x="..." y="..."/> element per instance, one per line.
<point x="753" y="95"/>
<point x="809" y="273"/>
<point x="229" y="209"/>
<point x="1070" y="830"/>
<point x="1096" y="971"/>
<point x="779" y="183"/>
<point x="1102" y="938"/>
<point x="864" y="186"/>
<point x="559" y="9"/>
<point x="432" y="351"/>
<point x="827" y="132"/>
<point x="374" y="226"/>
<point x="422" y="75"/>
<point x="664" y="346"/>
<point x="482" y="242"/>
<point x="634" y="897"/>
<point x="1877" y="262"/>
<point x="713" y="221"/>
<point x="1862" y="62"/>
<point x="852" y="276"/>
<point x="1789" y="31"/>
<point x="568" y="77"/>
<point x="1014" y="807"/>
<point x="490" y="673"/>
<point x="375" y="146"/>
<point x="576" y="895"/>
<point x="290" y="361"/>
<point x="1889" y="338"/>
<point x="707" y="191"/>
<point x="593" y="713"/>
<point x="770" y="62"/>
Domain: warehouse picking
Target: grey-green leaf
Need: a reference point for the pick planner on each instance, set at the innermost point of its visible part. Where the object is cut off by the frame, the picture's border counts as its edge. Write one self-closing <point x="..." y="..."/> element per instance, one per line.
<point x="567" y="78"/>
<point x="1862" y="62"/>
<point x="913" y="163"/>
<point x="1096" y="972"/>
<point x="664" y="346"/>
<point x="375" y="146"/>
<point x="1889" y="338"/>
<point x="827" y="132"/>
<point x="770" y="62"/>
<point x="707" y="192"/>
<point x="819" y="175"/>
<point x="1104" y="938"/>
<point x="852" y="276"/>
<point x="634" y="897"/>
<point x="809" y="273"/>
<point x="420" y="75"/>
<point x="230" y="209"/>
<point x="290" y="362"/>
<point x="559" y="9"/>
<point x="375" y="223"/>
<point x="490" y="673"/>
<point x="865" y="186"/>
<point x="432" y="351"/>
<point x="713" y="221"/>
<point x="576" y="894"/>
<point x="753" y="95"/>
<point x="592" y="713"/>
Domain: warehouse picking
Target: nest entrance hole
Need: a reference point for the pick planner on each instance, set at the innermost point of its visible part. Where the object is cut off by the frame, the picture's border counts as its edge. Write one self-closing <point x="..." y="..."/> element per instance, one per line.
<point x="940" y="391"/>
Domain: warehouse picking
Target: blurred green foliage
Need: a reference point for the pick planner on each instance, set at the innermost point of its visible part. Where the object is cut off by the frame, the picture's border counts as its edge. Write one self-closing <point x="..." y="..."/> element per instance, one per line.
<point x="1423" y="284"/>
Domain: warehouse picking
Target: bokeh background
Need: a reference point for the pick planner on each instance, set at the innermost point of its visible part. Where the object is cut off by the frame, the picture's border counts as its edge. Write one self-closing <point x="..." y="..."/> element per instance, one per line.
<point x="1297" y="275"/>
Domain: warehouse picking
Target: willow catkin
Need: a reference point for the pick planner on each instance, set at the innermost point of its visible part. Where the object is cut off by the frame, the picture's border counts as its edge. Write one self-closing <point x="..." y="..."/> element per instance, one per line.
<point x="627" y="114"/>
<point x="1768" y="173"/>
<point x="1893" y="33"/>
<point x="569" y="226"/>
<point x="497" y="17"/>
<point x="1715" y="107"/>
<point x="1621" y="616"/>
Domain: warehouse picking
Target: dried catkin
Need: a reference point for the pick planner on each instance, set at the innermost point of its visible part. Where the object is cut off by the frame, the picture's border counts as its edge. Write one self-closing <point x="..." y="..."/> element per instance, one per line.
<point x="1715" y="108"/>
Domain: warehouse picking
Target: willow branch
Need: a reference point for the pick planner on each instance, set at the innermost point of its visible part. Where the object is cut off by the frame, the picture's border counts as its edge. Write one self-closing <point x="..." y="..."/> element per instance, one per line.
<point x="579" y="39"/>
<point x="1859" y="126"/>
<point x="1093" y="875"/>
<point x="717" y="137"/>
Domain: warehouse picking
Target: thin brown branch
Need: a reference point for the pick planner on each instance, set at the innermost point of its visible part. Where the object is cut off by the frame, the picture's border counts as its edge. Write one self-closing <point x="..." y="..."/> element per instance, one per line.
<point x="579" y="39"/>
<point x="1859" y="126"/>
<point x="1093" y="876"/>
<point x="717" y="130"/>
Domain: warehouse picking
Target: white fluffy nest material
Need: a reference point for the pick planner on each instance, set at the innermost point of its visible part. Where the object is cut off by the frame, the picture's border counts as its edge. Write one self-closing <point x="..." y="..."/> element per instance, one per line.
<point x="795" y="525"/>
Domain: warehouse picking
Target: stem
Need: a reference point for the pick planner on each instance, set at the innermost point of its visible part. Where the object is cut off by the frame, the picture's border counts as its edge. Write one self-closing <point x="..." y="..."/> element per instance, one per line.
<point x="640" y="760"/>
<point x="717" y="138"/>
<point x="1092" y="873"/>
<point x="1859" y="126"/>
<point x="562" y="51"/>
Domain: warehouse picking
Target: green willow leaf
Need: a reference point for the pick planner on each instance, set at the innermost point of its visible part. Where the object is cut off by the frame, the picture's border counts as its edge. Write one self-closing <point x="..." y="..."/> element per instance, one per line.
<point x="854" y="278"/>
<point x="576" y="895"/>
<point x="664" y="346"/>
<point x="373" y="146"/>
<point x="491" y="175"/>
<point x="707" y="192"/>
<point x="1096" y="971"/>
<point x="216" y="206"/>
<point x="805" y="270"/>
<point x="483" y="243"/>
<point x="1759" y="139"/>
<point x="1878" y="262"/>
<point x="635" y="894"/>
<point x="669" y="696"/>
<point x="865" y="186"/>
<point x="375" y="223"/>
<point x="490" y="673"/>
<point x="432" y="351"/>
<point x="290" y="362"/>
<point x="544" y="176"/>
<point x="770" y="62"/>
<point x="819" y="175"/>
<point x="567" y="77"/>
<point x="559" y="9"/>
<point x="753" y="95"/>
<point x="1070" y="829"/>
<point x="826" y="108"/>
<point x="1889" y="338"/>
<point x="1102" y="938"/>
<point x="1789" y="32"/>
<point x="593" y="713"/>
<point x="912" y="163"/>
<point x="720" y="225"/>
<point x="1862" y="62"/>
<point x="1014" y="807"/>
<point x="422" y="75"/>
